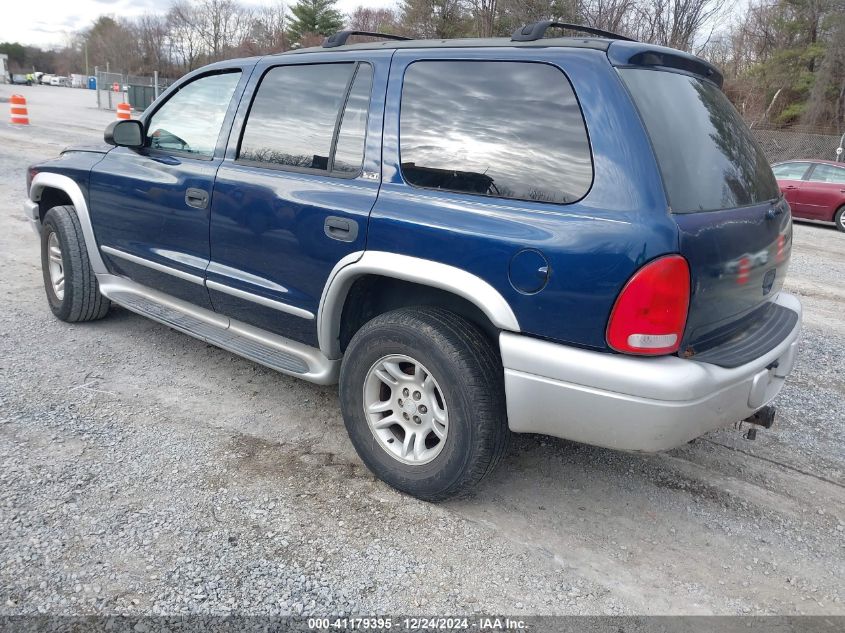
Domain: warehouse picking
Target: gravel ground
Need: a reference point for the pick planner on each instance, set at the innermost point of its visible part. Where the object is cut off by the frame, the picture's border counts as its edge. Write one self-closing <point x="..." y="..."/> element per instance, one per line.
<point x="145" y="472"/>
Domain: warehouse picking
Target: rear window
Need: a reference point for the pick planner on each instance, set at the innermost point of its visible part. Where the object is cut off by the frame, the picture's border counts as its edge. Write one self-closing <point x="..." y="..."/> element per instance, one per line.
<point x="503" y="129"/>
<point x="707" y="155"/>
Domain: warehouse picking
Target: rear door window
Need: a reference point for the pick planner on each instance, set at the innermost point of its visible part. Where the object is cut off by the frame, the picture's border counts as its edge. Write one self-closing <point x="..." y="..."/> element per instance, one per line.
<point x="504" y="129"/>
<point x="309" y="117"/>
<point x="828" y="173"/>
<point x="189" y="122"/>
<point x="707" y="155"/>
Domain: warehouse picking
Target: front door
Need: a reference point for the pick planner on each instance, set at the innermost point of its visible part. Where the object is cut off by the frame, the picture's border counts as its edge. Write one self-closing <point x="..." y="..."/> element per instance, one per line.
<point x="293" y="195"/>
<point x="150" y="207"/>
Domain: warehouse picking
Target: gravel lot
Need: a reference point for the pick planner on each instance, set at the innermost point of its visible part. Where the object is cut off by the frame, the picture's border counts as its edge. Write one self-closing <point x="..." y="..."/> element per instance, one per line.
<point x="145" y="472"/>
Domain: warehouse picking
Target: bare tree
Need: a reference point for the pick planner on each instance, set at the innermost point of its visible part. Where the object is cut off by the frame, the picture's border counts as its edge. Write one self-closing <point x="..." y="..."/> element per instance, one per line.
<point x="268" y="29"/>
<point x="434" y="18"/>
<point x="185" y="39"/>
<point x="374" y="20"/>
<point x="678" y="23"/>
<point x="222" y="25"/>
<point x="610" y="15"/>
<point x="151" y="32"/>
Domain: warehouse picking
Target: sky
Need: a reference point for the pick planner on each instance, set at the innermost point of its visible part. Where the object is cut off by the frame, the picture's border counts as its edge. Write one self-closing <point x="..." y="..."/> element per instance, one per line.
<point x="47" y="23"/>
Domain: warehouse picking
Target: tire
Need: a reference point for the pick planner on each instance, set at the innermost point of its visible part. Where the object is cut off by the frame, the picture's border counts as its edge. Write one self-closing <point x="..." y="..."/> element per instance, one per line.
<point x="78" y="298"/>
<point x="839" y="219"/>
<point x="464" y="385"/>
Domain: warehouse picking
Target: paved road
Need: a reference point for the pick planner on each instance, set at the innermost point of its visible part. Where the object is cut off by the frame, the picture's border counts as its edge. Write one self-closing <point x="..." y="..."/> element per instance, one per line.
<point x="142" y="471"/>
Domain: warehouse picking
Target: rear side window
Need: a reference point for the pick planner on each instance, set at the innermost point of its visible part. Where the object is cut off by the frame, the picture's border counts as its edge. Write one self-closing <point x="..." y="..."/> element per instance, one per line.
<point x="296" y="122"/>
<point x="504" y="129"/>
<point x="189" y="122"/>
<point x="790" y="171"/>
<point x="707" y="155"/>
<point x="828" y="173"/>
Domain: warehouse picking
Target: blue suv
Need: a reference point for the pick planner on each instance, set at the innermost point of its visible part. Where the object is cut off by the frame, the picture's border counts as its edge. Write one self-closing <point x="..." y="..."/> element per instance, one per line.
<point x="574" y="236"/>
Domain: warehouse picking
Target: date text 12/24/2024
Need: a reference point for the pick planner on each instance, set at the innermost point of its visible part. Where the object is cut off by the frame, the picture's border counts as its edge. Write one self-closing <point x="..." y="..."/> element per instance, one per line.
<point x="416" y="624"/>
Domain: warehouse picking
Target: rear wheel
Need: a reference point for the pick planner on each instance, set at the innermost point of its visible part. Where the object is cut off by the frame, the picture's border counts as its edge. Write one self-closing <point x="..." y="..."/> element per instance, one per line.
<point x="839" y="219"/>
<point x="422" y="395"/>
<point x="70" y="283"/>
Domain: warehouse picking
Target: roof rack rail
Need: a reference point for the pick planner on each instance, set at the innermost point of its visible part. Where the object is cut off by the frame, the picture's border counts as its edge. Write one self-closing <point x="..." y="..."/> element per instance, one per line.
<point x="536" y="31"/>
<point x="339" y="38"/>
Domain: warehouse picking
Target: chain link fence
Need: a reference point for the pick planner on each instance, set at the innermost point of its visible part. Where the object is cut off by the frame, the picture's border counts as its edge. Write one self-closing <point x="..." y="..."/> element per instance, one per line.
<point x="107" y="96"/>
<point x="115" y="88"/>
<point x="796" y="142"/>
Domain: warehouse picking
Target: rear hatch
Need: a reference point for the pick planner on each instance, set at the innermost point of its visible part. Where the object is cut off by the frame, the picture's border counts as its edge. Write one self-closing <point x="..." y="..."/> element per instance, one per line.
<point x="735" y="229"/>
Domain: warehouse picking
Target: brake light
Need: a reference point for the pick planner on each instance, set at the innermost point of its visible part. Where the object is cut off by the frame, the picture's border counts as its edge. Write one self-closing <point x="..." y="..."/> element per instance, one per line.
<point x="651" y="311"/>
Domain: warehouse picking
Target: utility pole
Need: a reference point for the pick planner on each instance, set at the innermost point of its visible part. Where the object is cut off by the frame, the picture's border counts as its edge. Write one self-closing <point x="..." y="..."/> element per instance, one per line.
<point x="86" y="59"/>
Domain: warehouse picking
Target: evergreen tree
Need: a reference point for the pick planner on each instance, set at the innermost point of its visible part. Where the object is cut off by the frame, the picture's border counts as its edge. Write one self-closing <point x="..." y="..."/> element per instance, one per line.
<point x="311" y="17"/>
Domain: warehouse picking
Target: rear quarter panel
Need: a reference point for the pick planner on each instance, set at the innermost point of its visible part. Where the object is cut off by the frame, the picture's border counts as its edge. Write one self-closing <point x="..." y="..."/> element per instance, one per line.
<point x="592" y="246"/>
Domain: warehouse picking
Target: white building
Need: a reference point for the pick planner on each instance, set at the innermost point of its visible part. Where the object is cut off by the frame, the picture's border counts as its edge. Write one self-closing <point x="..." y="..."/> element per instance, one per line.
<point x="4" y="68"/>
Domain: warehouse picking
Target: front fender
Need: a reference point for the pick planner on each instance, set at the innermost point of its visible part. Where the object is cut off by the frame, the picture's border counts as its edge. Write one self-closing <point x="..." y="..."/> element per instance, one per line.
<point x="44" y="180"/>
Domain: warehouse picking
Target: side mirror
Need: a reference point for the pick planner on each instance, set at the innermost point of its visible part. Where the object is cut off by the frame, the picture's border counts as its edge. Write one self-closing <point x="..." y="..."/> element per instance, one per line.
<point x="125" y="133"/>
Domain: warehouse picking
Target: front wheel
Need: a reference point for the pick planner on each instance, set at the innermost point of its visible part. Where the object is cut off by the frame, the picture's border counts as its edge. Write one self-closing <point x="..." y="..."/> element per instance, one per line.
<point x="839" y="219"/>
<point x="422" y="394"/>
<point x="70" y="283"/>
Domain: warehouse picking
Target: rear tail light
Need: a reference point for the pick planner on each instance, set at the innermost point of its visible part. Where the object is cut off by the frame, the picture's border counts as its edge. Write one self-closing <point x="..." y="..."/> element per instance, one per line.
<point x="651" y="311"/>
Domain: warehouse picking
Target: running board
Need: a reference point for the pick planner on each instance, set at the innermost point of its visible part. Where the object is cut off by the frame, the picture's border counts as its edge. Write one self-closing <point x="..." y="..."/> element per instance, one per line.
<point x="270" y="350"/>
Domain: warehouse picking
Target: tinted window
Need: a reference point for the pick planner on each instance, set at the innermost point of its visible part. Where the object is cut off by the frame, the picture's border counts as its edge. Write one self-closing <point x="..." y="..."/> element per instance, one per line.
<point x="191" y="119"/>
<point x="293" y="117"/>
<point x="506" y="129"/>
<point x="707" y="155"/>
<point x="349" y="153"/>
<point x="790" y="171"/>
<point x="828" y="173"/>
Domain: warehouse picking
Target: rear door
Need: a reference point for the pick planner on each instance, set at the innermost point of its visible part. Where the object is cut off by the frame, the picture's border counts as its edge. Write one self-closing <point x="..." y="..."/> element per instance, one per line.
<point x="150" y="207"/>
<point x="294" y="194"/>
<point x="824" y="191"/>
<point x="734" y="227"/>
<point x="790" y="177"/>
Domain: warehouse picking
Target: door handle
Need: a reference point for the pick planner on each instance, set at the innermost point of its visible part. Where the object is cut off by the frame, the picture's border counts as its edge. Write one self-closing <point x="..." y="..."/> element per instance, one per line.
<point x="342" y="229"/>
<point x="790" y="187"/>
<point x="196" y="198"/>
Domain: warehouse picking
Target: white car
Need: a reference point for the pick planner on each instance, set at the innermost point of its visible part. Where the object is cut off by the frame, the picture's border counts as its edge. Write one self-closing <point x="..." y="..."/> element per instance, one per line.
<point x="58" y="80"/>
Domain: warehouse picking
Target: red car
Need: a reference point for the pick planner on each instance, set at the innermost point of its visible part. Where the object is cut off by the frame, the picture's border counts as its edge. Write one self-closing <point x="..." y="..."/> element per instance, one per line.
<point x="815" y="189"/>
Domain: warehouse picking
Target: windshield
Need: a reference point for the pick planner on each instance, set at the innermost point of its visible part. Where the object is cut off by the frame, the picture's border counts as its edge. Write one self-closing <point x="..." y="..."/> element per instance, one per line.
<point x="707" y="156"/>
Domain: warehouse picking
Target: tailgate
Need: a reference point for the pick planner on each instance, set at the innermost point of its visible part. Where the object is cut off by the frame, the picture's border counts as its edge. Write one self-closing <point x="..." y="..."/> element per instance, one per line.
<point x="734" y="228"/>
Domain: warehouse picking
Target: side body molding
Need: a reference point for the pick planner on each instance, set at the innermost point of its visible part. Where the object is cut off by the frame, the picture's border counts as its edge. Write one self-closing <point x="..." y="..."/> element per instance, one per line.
<point x="406" y="268"/>
<point x="57" y="181"/>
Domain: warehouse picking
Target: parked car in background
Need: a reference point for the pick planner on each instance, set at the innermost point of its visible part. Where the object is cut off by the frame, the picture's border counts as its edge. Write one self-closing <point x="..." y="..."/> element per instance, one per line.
<point x="44" y="79"/>
<point x="21" y="80"/>
<point x="815" y="189"/>
<point x="59" y="80"/>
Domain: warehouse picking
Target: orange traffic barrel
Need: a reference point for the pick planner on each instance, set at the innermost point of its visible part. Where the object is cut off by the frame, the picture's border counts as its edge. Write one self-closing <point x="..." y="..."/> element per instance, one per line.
<point x="124" y="111"/>
<point x="19" y="115"/>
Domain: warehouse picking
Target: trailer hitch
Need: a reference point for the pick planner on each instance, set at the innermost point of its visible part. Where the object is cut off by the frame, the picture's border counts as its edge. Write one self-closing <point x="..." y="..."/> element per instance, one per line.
<point x="765" y="417"/>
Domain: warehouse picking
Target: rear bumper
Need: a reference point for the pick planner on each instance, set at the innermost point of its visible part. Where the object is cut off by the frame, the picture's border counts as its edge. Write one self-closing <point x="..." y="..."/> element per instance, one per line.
<point x="632" y="403"/>
<point x="33" y="214"/>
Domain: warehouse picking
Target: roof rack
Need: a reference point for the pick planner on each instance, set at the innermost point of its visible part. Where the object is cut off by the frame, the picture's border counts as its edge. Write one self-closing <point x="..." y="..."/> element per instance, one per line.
<point x="536" y="31"/>
<point x="339" y="38"/>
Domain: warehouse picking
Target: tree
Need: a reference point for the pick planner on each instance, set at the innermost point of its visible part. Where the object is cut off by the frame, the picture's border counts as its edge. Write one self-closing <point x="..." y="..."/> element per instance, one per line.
<point x="434" y="18"/>
<point x="374" y="20"/>
<point x="222" y="24"/>
<point x="185" y="39"/>
<point x="314" y="17"/>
